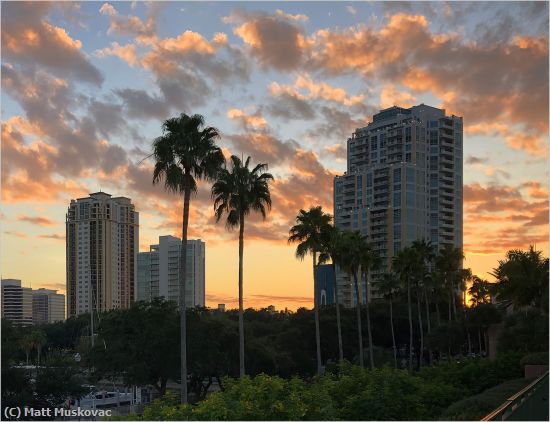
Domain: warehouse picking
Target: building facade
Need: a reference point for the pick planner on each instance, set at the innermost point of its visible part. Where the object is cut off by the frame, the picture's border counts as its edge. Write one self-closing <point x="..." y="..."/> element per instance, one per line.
<point x="403" y="182"/>
<point x="47" y="306"/>
<point x="324" y="284"/>
<point x="102" y="238"/>
<point x="158" y="271"/>
<point x="16" y="302"/>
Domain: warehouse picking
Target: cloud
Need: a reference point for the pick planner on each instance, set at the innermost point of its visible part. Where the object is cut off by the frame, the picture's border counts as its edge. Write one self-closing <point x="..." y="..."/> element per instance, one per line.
<point x="27" y="38"/>
<point x="247" y="120"/>
<point x="126" y="53"/>
<point x="53" y="236"/>
<point x="17" y="234"/>
<point x="506" y="82"/>
<point x="39" y="221"/>
<point x="390" y="96"/>
<point x="352" y="10"/>
<point x="143" y="30"/>
<point x="472" y="159"/>
<point x="274" y="40"/>
<point x="139" y="104"/>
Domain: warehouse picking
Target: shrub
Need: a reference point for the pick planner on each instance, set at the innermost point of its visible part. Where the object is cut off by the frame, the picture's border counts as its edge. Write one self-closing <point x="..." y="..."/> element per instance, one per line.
<point x="476" y="407"/>
<point x="540" y="358"/>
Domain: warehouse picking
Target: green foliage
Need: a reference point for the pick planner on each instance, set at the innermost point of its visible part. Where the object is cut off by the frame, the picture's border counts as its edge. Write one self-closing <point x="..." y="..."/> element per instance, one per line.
<point x="524" y="332"/>
<point x="139" y="344"/>
<point x="539" y="358"/>
<point x="475" y="375"/>
<point x="476" y="407"/>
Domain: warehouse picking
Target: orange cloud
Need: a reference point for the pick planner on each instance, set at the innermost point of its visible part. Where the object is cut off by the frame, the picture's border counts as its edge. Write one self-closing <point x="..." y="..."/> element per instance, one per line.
<point x="125" y="52"/>
<point x="390" y="96"/>
<point x="39" y="221"/>
<point x="254" y="121"/>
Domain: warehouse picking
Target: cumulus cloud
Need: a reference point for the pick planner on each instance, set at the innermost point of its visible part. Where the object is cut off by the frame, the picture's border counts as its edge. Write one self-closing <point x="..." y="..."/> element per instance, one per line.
<point x="275" y="40"/>
<point x="28" y="38"/>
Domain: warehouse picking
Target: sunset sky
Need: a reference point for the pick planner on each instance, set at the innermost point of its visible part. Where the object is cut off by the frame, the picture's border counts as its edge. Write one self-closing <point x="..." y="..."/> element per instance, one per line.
<point x="86" y="86"/>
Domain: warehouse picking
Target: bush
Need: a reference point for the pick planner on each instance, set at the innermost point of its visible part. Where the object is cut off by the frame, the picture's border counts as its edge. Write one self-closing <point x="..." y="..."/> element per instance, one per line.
<point x="540" y="358"/>
<point x="478" y="406"/>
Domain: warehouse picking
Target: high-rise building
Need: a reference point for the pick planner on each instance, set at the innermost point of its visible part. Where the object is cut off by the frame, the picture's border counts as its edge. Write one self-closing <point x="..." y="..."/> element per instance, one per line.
<point x="403" y="182"/>
<point x="47" y="306"/>
<point x="101" y="246"/>
<point x="324" y="283"/>
<point x="158" y="271"/>
<point x="16" y="302"/>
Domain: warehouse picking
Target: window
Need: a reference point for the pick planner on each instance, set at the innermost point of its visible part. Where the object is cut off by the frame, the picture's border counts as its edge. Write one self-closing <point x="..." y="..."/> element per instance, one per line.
<point x="397" y="199"/>
<point x="397" y="175"/>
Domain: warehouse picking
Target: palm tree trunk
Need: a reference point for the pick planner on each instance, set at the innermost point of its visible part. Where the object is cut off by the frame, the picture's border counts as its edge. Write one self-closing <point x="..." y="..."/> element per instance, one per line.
<point x="438" y="313"/>
<point x="469" y="342"/>
<point x="359" y="329"/>
<point x="182" y="304"/>
<point x="241" y="311"/>
<point x="421" y="354"/>
<point x="27" y="352"/>
<point x="479" y="339"/>
<point x="371" y="356"/>
<point x="453" y="296"/>
<point x="427" y="311"/>
<point x="316" y="312"/>
<point x="410" y="324"/>
<point x="430" y="355"/>
<point x="393" y="335"/>
<point x="338" y="323"/>
<point x="38" y="354"/>
<point x="450" y="300"/>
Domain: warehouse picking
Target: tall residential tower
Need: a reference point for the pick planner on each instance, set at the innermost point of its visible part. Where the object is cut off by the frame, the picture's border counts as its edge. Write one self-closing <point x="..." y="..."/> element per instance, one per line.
<point x="403" y="182"/>
<point x="102" y="245"/>
<point x="158" y="271"/>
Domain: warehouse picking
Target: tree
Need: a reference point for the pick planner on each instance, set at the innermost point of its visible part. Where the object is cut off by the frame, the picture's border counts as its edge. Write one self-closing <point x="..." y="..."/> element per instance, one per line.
<point x="331" y="247"/>
<point x="39" y="339"/>
<point x="389" y="286"/>
<point x="426" y="255"/>
<point x="139" y="344"/>
<point x="523" y="278"/>
<point x="480" y="291"/>
<point x="308" y="232"/>
<point x="448" y="262"/>
<point x="352" y="247"/>
<point x="237" y="192"/>
<point x="184" y="153"/>
<point x="26" y="342"/>
<point x="405" y="263"/>
<point x="369" y="260"/>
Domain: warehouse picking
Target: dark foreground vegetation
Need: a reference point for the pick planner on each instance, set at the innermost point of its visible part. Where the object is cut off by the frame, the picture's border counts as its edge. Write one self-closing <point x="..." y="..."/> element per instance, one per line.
<point x="450" y="376"/>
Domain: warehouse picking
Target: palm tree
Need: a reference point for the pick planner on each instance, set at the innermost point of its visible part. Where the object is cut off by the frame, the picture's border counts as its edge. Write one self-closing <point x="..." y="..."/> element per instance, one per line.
<point x="26" y="342"/>
<point x="310" y="231"/>
<point x="330" y="246"/>
<point x="352" y="246"/>
<point x="389" y="286"/>
<point x="523" y="278"/>
<point x="369" y="260"/>
<point x="426" y="254"/>
<point x="448" y="262"/>
<point x="237" y="192"/>
<point x="405" y="263"/>
<point x="184" y="153"/>
<point x="480" y="291"/>
<point x="38" y="339"/>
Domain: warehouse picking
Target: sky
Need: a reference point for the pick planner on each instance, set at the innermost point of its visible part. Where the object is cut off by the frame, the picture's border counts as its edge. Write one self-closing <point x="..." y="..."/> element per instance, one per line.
<point x="86" y="87"/>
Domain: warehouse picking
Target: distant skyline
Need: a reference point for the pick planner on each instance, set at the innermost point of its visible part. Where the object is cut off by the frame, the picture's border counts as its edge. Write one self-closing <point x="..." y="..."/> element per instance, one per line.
<point x="86" y="87"/>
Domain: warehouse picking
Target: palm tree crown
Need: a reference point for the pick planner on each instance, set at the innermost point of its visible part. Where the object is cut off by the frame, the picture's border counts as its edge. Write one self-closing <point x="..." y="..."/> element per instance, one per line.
<point x="239" y="190"/>
<point x="310" y="229"/>
<point x="186" y="151"/>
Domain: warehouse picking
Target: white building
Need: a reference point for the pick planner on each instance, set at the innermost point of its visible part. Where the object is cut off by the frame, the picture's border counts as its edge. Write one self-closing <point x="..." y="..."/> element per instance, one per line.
<point x="102" y="245"/>
<point x="47" y="306"/>
<point x="158" y="271"/>
<point x="16" y="302"/>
